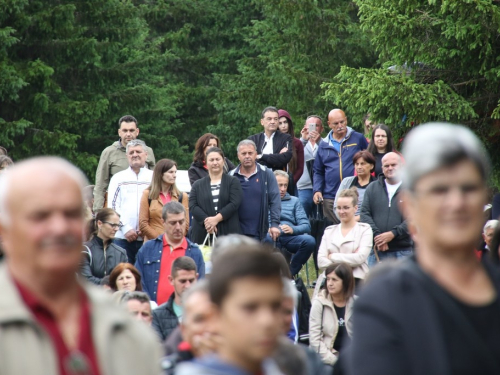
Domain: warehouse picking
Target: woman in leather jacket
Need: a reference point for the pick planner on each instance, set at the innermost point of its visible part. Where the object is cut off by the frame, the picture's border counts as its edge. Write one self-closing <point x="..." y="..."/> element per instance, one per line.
<point x="100" y="254"/>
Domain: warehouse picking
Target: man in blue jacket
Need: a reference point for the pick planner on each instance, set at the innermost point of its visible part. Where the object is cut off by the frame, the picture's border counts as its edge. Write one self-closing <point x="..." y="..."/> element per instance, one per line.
<point x="294" y="226"/>
<point x="334" y="160"/>
<point x="155" y="258"/>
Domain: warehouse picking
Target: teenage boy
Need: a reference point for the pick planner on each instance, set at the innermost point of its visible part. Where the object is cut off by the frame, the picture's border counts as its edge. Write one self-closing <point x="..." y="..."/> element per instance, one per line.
<point x="247" y="290"/>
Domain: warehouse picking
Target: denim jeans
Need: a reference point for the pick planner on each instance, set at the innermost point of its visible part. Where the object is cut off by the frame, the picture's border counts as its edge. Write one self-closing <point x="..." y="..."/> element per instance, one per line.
<point x="306" y="199"/>
<point x="301" y="246"/>
<point x="397" y="254"/>
<point x="130" y="247"/>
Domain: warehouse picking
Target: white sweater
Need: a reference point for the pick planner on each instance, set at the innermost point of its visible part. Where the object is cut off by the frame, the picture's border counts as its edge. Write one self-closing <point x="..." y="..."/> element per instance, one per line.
<point x="124" y="196"/>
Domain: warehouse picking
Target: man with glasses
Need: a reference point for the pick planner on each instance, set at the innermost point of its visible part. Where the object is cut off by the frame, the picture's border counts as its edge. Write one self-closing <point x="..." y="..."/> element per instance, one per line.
<point x="124" y="196"/>
<point x="113" y="159"/>
<point x="274" y="149"/>
<point x="333" y="160"/>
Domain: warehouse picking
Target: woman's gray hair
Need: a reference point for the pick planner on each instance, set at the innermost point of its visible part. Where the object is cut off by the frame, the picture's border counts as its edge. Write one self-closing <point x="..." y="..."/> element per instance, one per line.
<point x="437" y="145"/>
<point x="231" y="241"/>
<point x="490" y="224"/>
<point x="290" y="291"/>
<point x="135" y="143"/>
<point x="246" y="142"/>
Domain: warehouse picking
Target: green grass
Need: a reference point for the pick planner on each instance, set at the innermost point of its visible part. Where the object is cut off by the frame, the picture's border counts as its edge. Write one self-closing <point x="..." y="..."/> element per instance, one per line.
<point x="312" y="274"/>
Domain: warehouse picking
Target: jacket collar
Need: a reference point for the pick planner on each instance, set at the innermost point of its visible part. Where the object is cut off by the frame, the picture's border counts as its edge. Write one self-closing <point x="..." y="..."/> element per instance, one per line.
<point x="287" y="197"/>
<point x="13" y="309"/>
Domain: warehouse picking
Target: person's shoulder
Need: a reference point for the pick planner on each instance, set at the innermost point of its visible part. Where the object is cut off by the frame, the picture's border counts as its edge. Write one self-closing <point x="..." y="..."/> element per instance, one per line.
<point x="109" y="149"/>
<point x="108" y="314"/>
<point x="388" y="285"/>
<point x="364" y="226"/>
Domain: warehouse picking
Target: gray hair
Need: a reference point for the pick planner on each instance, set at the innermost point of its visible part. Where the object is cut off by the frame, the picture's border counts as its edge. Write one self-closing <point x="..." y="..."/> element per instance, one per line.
<point x="173" y="208"/>
<point x="231" y="241"/>
<point x="315" y="116"/>
<point x="289" y="290"/>
<point x="281" y="174"/>
<point x="433" y="146"/>
<point x="201" y="286"/>
<point x="135" y="143"/>
<point x="246" y="142"/>
<point x="47" y="163"/>
<point x="490" y="224"/>
<point x="139" y="296"/>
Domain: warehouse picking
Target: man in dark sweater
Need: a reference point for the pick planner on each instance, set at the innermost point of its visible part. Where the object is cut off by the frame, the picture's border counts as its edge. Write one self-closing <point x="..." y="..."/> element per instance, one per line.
<point x="380" y="209"/>
<point x="260" y="207"/>
<point x="271" y="142"/>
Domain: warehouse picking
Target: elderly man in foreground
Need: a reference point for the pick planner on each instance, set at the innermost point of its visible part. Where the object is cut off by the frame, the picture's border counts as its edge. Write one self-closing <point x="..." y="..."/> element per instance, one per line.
<point x="49" y="322"/>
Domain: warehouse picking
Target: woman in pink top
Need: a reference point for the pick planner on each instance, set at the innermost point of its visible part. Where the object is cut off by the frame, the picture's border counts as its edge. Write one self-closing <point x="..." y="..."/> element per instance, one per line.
<point x="349" y="242"/>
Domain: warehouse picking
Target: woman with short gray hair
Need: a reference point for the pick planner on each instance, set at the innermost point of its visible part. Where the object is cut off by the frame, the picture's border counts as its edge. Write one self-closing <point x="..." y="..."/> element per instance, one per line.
<point x="438" y="312"/>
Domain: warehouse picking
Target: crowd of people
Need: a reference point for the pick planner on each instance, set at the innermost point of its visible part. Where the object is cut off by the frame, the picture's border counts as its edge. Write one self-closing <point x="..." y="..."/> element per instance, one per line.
<point x="131" y="275"/>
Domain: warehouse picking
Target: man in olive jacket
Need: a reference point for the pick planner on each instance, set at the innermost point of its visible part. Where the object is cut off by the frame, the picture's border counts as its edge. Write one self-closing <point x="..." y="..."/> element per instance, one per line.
<point x="49" y="322"/>
<point x="113" y="159"/>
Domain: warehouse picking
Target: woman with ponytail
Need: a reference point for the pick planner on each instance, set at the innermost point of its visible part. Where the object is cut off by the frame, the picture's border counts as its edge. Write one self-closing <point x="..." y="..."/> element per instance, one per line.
<point x="100" y="254"/>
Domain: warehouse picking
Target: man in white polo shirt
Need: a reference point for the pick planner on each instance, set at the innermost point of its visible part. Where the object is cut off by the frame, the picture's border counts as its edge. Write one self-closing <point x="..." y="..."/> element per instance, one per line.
<point x="124" y="196"/>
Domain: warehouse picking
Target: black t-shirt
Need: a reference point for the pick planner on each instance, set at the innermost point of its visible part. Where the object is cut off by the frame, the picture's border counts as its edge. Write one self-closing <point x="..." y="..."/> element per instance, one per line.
<point x="337" y="344"/>
<point x="464" y="356"/>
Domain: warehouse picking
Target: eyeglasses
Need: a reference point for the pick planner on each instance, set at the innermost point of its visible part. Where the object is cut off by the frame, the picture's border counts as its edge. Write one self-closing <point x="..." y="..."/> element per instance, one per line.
<point x="113" y="225"/>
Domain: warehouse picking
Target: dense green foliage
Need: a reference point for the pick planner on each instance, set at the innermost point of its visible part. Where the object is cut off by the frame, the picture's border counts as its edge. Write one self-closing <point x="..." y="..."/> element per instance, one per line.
<point x="439" y="61"/>
<point x="70" y="69"/>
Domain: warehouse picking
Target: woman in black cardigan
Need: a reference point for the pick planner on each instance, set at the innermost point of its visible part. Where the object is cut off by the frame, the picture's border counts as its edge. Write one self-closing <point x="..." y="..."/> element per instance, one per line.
<point x="214" y="200"/>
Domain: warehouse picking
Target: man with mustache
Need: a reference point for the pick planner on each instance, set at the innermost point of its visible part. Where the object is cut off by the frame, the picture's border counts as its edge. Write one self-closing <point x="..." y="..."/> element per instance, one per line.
<point x="333" y="160"/>
<point x="113" y="159"/>
<point x="49" y="322"/>
<point x="124" y="196"/>
<point x="156" y="258"/>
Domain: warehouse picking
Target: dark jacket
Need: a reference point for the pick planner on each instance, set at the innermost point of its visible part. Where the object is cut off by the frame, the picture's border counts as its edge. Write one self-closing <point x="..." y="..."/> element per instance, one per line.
<point x="271" y="200"/>
<point x="201" y="206"/>
<point x="164" y="318"/>
<point x="376" y="212"/>
<point x="274" y="160"/>
<point x="398" y="328"/>
<point x="99" y="262"/>
<point x="148" y="262"/>
<point x="197" y="170"/>
<point x="330" y="166"/>
<point x="299" y="169"/>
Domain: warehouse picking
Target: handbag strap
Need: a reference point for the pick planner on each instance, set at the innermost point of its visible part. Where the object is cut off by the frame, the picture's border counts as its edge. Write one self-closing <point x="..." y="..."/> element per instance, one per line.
<point x="207" y="240"/>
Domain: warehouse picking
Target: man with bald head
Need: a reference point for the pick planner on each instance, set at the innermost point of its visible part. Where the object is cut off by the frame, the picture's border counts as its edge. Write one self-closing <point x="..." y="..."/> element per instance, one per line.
<point x="380" y="209"/>
<point x="49" y="322"/>
<point x="333" y="160"/>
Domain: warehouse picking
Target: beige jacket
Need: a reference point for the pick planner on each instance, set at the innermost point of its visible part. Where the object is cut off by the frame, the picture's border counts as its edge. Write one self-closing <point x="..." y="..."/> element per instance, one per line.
<point x="123" y="345"/>
<point x="150" y="219"/>
<point x="323" y="326"/>
<point x="352" y="249"/>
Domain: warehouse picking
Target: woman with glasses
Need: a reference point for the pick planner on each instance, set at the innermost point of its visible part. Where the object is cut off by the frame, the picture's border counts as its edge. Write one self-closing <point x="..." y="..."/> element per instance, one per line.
<point x="100" y="254"/>
<point x="381" y="144"/>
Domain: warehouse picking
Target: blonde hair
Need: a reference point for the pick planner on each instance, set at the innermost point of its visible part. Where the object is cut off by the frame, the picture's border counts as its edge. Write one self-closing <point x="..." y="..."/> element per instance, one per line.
<point x="350" y="193"/>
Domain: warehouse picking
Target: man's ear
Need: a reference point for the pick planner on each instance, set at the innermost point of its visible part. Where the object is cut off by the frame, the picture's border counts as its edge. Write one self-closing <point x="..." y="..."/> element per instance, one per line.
<point x="197" y="275"/>
<point x="262" y="121"/>
<point x="170" y="279"/>
<point x="138" y="131"/>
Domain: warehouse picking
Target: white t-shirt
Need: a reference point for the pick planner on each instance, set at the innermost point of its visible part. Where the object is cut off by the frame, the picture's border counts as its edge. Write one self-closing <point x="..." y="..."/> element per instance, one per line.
<point x="268" y="144"/>
<point x="391" y="190"/>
